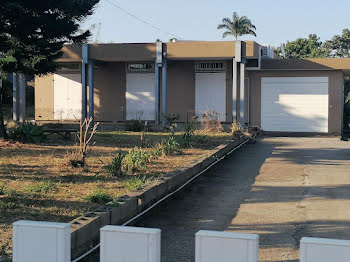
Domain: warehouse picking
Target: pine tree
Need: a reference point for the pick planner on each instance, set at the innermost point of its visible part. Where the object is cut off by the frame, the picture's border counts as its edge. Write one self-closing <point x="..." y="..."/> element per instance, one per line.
<point x="32" y="34"/>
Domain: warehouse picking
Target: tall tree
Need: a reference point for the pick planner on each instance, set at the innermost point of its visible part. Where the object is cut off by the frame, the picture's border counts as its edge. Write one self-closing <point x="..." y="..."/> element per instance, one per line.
<point x="339" y="45"/>
<point x="32" y="34"/>
<point x="238" y="26"/>
<point x="310" y="47"/>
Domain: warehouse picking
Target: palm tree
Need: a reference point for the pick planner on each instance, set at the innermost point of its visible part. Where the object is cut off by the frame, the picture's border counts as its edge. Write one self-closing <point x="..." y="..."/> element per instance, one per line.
<point x="238" y="26"/>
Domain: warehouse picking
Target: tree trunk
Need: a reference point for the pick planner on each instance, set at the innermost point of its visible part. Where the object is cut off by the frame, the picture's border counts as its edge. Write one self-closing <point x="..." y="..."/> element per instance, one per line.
<point x="3" y="132"/>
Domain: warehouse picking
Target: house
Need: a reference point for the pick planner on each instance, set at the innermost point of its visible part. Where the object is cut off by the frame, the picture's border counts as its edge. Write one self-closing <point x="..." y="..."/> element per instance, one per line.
<point x="238" y="80"/>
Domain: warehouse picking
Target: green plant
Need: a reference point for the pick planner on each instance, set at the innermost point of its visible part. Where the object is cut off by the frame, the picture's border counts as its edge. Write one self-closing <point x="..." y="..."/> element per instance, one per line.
<point x="99" y="196"/>
<point x="135" y="161"/>
<point x="115" y="167"/>
<point x="211" y="122"/>
<point x="200" y="139"/>
<point x="3" y="189"/>
<point x="28" y="132"/>
<point x="187" y="136"/>
<point x="170" y="146"/>
<point x="136" y="182"/>
<point x="43" y="187"/>
<point x="134" y="126"/>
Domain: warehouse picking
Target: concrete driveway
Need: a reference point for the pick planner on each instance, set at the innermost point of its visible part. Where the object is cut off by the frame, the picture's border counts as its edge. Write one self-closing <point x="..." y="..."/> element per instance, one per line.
<point x="280" y="188"/>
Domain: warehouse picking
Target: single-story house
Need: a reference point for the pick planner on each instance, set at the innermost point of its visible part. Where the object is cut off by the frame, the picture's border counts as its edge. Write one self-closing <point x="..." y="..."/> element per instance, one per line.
<point x="237" y="79"/>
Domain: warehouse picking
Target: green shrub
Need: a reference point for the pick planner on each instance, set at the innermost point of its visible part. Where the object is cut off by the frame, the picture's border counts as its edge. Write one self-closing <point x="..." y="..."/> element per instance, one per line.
<point x="168" y="147"/>
<point x="200" y="139"/>
<point x="28" y="132"/>
<point x="115" y="167"/>
<point x="3" y="189"/>
<point x="135" y="182"/>
<point x="43" y="187"/>
<point x="135" y="161"/>
<point x="187" y="136"/>
<point x="134" y="126"/>
<point x="99" y="196"/>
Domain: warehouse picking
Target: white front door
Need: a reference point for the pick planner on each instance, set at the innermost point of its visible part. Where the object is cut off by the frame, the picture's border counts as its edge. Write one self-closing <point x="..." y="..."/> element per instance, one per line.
<point x="294" y="104"/>
<point x="140" y="96"/>
<point x="210" y="94"/>
<point x="67" y="96"/>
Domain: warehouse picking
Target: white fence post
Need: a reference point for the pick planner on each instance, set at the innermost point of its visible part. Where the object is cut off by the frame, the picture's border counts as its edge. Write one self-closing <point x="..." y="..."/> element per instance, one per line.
<point x="41" y="242"/>
<point x="212" y="246"/>
<point x="324" y="250"/>
<point x="129" y="244"/>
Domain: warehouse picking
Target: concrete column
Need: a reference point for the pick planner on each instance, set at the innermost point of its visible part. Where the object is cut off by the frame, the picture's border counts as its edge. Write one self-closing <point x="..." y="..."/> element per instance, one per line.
<point x="14" y="99"/>
<point x="241" y="94"/>
<point x="22" y="98"/>
<point x="164" y="91"/>
<point x="157" y="84"/>
<point x="91" y="89"/>
<point x="85" y="58"/>
<point x="234" y="90"/>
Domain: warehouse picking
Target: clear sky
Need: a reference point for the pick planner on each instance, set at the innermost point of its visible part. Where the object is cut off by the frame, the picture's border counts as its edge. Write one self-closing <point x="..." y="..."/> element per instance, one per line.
<point x="276" y="20"/>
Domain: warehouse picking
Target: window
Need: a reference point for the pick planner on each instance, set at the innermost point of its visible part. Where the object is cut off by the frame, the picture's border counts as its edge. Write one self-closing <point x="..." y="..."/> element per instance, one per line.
<point x="141" y="67"/>
<point x="210" y="66"/>
<point x="69" y="67"/>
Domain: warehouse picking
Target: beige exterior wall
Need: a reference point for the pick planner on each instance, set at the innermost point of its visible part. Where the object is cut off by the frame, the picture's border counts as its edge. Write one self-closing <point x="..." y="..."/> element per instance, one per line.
<point x="181" y="89"/>
<point x="336" y="82"/>
<point x="123" y="52"/>
<point x="110" y="88"/>
<point x="44" y="97"/>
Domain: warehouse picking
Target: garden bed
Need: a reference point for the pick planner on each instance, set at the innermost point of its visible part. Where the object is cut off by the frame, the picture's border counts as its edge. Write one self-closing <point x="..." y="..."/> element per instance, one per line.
<point x="36" y="184"/>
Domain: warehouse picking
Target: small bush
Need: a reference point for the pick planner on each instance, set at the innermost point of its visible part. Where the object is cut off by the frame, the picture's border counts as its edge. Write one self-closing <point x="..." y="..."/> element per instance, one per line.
<point x="135" y="161"/>
<point x="187" y="137"/>
<point x="168" y="147"/>
<point x="200" y="139"/>
<point x="99" y="196"/>
<point x="135" y="182"/>
<point x="134" y="126"/>
<point x="74" y="159"/>
<point x="115" y="167"/>
<point x="43" y="187"/>
<point x="28" y="133"/>
<point x="236" y="129"/>
<point x="211" y="122"/>
<point x="3" y="189"/>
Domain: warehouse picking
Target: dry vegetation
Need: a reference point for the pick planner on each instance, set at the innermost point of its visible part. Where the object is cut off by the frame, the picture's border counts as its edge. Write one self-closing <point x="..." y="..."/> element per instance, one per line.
<point x="35" y="183"/>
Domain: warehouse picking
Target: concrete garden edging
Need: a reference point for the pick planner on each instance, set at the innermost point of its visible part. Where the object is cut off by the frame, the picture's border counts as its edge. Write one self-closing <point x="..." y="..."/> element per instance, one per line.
<point x="85" y="230"/>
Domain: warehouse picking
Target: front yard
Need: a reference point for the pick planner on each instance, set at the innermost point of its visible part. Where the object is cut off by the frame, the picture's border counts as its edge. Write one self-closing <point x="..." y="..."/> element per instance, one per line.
<point x="37" y="184"/>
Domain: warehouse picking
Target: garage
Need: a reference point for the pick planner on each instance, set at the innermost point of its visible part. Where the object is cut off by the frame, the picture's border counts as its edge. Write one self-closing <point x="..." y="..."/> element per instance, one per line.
<point x="210" y="88"/>
<point x="67" y="96"/>
<point x="140" y="96"/>
<point x="295" y="104"/>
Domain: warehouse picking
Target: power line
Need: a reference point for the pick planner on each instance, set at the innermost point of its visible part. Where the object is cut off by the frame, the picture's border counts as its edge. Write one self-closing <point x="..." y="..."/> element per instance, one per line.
<point x="141" y="20"/>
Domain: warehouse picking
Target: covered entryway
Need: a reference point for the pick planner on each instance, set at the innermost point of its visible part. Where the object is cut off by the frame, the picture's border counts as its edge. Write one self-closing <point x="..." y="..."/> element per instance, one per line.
<point x="210" y="94"/>
<point x="67" y="96"/>
<point x="294" y="104"/>
<point x="140" y="96"/>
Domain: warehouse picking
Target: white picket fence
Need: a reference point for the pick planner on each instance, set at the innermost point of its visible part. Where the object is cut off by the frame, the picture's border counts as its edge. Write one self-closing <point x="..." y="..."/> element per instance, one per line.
<point x="45" y="241"/>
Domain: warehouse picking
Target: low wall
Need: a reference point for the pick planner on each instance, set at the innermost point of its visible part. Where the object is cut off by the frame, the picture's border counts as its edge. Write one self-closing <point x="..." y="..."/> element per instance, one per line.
<point x="85" y="230"/>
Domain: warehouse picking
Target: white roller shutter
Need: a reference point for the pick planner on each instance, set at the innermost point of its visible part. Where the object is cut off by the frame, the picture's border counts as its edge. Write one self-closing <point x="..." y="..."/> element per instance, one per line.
<point x="294" y="104"/>
<point x="140" y="96"/>
<point x="210" y="94"/>
<point x="67" y="96"/>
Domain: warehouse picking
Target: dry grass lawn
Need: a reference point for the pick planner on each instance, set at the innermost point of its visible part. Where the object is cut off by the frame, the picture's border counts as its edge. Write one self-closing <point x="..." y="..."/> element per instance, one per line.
<point x="36" y="185"/>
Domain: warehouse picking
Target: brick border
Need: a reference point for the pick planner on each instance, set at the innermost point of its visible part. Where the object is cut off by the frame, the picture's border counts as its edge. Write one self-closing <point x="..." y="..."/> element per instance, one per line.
<point x="85" y="230"/>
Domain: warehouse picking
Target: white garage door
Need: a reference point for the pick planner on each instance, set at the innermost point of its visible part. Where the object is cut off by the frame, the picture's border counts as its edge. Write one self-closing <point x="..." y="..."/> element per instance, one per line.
<point x="294" y="104"/>
<point x="67" y="96"/>
<point x="140" y="96"/>
<point x="210" y="94"/>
